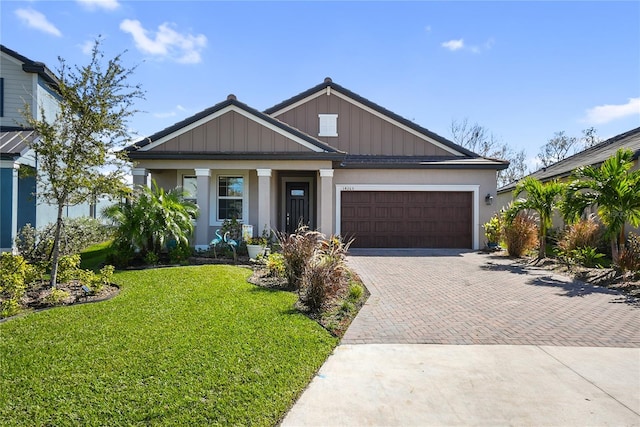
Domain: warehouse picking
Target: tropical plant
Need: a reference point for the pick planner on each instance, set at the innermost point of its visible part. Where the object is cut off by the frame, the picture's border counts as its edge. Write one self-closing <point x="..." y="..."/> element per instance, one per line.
<point x="151" y="218"/>
<point x="493" y="230"/>
<point x="520" y="235"/>
<point x="614" y="189"/>
<point x="78" y="147"/>
<point x="542" y="198"/>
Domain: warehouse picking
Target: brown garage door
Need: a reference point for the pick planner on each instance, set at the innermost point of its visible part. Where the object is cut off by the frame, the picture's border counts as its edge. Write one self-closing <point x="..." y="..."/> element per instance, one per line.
<point x="407" y="219"/>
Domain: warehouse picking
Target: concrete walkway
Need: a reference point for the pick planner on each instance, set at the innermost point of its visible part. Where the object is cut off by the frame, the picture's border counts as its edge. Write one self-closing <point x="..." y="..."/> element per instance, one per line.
<point x="548" y="351"/>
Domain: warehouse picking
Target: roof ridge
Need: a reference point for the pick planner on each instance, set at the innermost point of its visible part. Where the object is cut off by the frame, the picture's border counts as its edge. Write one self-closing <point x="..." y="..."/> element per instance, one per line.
<point x="231" y="100"/>
<point x="328" y="82"/>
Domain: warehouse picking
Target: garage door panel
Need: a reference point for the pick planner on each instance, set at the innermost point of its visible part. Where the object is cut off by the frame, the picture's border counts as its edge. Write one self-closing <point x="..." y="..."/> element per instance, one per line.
<point x="407" y="219"/>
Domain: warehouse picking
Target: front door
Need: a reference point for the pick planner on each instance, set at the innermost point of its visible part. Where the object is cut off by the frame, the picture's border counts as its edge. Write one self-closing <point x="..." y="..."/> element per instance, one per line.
<point x="297" y="205"/>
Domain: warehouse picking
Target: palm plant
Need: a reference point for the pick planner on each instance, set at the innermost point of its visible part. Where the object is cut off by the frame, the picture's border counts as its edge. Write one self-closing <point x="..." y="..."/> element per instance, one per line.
<point x="542" y="198"/>
<point x="152" y="218"/>
<point x="614" y="189"/>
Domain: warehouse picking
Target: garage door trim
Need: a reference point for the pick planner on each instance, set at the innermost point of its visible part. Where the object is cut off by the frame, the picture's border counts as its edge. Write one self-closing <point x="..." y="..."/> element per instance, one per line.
<point x="474" y="189"/>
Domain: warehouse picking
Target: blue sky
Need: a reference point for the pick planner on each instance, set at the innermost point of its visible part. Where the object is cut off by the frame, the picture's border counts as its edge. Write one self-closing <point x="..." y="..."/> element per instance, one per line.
<point x="524" y="70"/>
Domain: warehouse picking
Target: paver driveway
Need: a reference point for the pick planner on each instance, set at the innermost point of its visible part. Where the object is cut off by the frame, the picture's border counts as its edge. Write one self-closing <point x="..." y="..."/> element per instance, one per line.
<point x="459" y="297"/>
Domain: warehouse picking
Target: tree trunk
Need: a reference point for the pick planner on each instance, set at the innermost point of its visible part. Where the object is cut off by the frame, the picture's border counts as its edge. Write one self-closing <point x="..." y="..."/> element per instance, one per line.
<point x="55" y="256"/>
<point x="614" y="249"/>
<point x="542" y="251"/>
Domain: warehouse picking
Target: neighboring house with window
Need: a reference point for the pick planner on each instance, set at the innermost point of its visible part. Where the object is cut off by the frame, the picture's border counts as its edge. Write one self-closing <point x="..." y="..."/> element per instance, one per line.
<point x="22" y="81"/>
<point x="330" y="159"/>
<point x="593" y="156"/>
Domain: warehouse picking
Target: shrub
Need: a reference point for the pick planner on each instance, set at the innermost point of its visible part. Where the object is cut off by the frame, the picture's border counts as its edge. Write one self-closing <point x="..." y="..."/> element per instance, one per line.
<point x="355" y="292"/>
<point x="180" y="254"/>
<point x="629" y="258"/>
<point x="586" y="233"/>
<point x="587" y="256"/>
<point x="323" y="278"/>
<point x="151" y="258"/>
<point x="297" y="250"/>
<point x="326" y="274"/>
<point x="493" y="229"/>
<point x="521" y="235"/>
<point x="56" y="296"/>
<point x="77" y="234"/>
<point x="275" y="264"/>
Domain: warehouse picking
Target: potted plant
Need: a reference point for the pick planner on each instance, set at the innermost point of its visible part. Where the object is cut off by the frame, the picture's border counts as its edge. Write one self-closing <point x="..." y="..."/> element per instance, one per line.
<point x="492" y="231"/>
<point x="257" y="245"/>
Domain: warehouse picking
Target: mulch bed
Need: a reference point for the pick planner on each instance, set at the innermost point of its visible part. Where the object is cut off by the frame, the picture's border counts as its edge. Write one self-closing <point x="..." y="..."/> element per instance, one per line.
<point x="35" y="298"/>
<point x="628" y="284"/>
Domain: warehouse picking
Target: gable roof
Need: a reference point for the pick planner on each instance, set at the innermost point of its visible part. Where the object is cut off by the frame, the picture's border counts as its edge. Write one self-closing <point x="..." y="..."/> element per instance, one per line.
<point x="135" y="150"/>
<point x="593" y="156"/>
<point x="328" y="84"/>
<point x="30" y="66"/>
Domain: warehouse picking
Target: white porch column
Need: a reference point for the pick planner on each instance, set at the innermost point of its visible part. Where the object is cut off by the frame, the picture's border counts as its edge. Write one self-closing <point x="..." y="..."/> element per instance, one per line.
<point x="326" y="201"/>
<point x="264" y="200"/>
<point x="203" y="177"/>
<point x="140" y="176"/>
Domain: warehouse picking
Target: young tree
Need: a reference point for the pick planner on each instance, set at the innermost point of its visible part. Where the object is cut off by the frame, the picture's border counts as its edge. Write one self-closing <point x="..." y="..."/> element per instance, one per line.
<point x="77" y="149"/>
<point x="614" y="189"/>
<point x="541" y="198"/>
<point x="481" y="141"/>
<point x="557" y="148"/>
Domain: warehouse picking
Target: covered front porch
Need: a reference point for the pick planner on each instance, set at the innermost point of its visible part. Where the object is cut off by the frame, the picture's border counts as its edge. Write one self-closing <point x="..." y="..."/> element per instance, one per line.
<point x="276" y="195"/>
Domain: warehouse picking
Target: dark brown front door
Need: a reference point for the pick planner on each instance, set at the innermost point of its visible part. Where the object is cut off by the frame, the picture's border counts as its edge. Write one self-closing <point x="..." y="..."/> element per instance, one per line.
<point x="407" y="219"/>
<point x="297" y="205"/>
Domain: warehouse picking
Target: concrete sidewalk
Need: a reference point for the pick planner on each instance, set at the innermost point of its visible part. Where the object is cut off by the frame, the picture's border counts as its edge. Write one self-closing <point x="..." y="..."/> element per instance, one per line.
<point x="451" y="385"/>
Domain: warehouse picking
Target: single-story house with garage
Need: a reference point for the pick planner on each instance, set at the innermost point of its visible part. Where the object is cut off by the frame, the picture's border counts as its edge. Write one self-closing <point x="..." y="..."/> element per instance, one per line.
<point x="329" y="158"/>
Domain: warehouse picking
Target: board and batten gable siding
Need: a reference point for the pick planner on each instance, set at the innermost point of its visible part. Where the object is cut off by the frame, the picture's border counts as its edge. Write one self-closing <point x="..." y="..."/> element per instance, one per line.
<point x="230" y="132"/>
<point x="359" y="131"/>
<point x="18" y="89"/>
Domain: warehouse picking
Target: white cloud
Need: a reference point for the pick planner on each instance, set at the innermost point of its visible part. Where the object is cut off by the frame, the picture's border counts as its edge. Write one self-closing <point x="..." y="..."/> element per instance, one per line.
<point x="459" y="44"/>
<point x="99" y="4"/>
<point x="163" y="115"/>
<point x="166" y="43"/>
<point x="36" y="20"/>
<point x="87" y="47"/>
<point x="607" y="113"/>
<point x="453" y="45"/>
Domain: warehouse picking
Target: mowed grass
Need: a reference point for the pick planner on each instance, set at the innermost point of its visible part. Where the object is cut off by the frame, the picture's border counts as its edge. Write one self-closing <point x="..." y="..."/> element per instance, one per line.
<point x="94" y="256"/>
<point x="177" y="346"/>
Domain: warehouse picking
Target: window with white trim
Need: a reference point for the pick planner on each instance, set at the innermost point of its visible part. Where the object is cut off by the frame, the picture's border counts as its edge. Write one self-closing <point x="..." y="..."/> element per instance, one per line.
<point x="230" y="197"/>
<point x="328" y="124"/>
<point x="190" y="187"/>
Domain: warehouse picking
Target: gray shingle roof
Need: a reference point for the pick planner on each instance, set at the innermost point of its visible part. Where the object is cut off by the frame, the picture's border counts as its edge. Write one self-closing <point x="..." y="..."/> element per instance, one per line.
<point x="593" y="156"/>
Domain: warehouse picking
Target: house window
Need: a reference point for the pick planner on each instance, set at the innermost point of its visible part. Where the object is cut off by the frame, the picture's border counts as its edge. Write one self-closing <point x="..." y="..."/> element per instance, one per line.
<point x="328" y="125"/>
<point x="230" y="197"/>
<point x="190" y="187"/>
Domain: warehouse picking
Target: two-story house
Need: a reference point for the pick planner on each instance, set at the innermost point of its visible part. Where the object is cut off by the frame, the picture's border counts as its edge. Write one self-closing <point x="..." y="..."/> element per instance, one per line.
<point x="23" y="81"/>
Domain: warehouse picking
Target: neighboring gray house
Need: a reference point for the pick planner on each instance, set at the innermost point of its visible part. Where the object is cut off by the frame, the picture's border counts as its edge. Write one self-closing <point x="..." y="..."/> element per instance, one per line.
<point x="593" y="156"/>
<point x="23" y="80"/>
<point x="331" y="159"/>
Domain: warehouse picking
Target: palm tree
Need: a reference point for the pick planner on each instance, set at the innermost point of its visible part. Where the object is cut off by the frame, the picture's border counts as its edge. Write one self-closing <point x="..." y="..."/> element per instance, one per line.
<point x="152" y="218"/>
<point x="541" y="198"/>
<point x="614" y="189"/>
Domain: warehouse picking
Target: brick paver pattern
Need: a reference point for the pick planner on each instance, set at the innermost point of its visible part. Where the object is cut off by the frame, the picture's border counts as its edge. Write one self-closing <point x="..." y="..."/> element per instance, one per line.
<point x="462" y="297"/>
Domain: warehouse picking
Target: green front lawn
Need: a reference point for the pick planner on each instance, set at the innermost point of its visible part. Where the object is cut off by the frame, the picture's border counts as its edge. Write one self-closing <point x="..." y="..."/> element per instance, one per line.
<point x="178" y="346"/>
